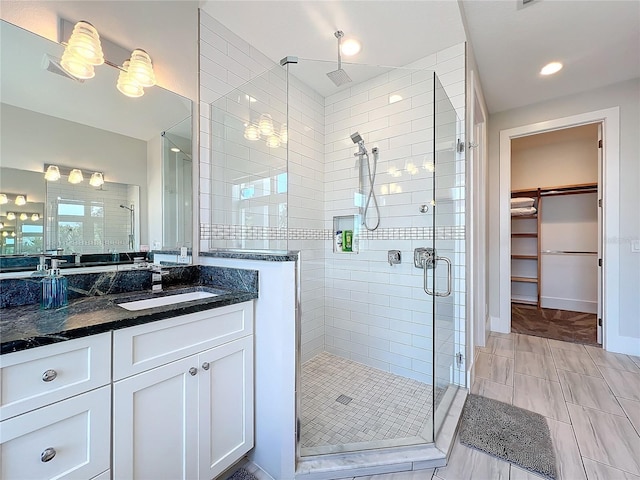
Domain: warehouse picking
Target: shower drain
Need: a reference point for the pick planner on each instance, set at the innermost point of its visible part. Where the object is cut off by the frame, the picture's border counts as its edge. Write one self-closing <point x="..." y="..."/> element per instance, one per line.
<point x="343" y="399"/>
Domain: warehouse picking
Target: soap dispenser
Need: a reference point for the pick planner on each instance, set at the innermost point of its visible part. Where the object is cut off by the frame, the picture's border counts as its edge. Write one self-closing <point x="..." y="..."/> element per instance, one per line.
<point x="54" y="287"/>
<point x="41" y="269"/>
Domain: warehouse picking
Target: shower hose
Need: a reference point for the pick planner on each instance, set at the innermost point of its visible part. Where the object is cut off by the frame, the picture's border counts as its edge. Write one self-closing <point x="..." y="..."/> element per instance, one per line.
<point x="371" y="194"/>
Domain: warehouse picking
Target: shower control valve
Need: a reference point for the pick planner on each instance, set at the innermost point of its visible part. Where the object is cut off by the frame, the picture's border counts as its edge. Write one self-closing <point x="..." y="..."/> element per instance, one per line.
<point x="394" y="257"/>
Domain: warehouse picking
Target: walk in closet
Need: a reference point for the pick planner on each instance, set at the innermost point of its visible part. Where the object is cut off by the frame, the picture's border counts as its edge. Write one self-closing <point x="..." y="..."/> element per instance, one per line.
<point x="555" y="227"/>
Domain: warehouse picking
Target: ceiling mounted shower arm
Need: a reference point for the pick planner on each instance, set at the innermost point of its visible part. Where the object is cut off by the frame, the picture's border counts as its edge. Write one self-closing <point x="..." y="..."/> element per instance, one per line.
<point x="339" y="34"/>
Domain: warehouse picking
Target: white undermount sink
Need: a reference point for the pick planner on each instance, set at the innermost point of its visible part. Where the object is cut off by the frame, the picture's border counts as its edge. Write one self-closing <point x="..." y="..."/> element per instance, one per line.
<point x="167" y="300"/>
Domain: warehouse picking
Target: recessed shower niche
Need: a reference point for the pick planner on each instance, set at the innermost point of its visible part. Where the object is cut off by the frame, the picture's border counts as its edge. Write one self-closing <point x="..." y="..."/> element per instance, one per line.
<point x="346" y="236"/>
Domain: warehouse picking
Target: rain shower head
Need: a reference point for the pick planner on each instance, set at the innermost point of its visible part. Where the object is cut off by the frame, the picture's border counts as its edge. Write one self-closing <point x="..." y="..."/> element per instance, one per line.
<point x="339" y="77"/>
<point x="356" y="138"/>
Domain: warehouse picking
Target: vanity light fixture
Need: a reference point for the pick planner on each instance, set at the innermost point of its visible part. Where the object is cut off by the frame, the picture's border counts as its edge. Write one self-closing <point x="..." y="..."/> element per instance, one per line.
<point x="11" y="216"/>
<point x="13" y="234"/>
<point x="3" y="199"/>
<point x="265" y="124"/>
<point x="251" y="132"/>
<point x="23" y="216"/>
<point x="83" y="51"/>
<point x="35" y="217"/>
<point x="273" y="141"/>
<point x="1" y="225"/>
<point x="75" y="176"/>
<point x="52" y="174"/>
<point x="141" y="68"/>
<point x="96" y="179"/>
<point x="126" y="84"/>
<point x="20" y="200"/>
<point x="5" y="234"/>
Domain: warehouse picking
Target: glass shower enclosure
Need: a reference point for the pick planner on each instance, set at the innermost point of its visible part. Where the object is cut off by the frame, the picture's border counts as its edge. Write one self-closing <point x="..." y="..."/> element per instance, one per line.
<point x="368" y="183"/>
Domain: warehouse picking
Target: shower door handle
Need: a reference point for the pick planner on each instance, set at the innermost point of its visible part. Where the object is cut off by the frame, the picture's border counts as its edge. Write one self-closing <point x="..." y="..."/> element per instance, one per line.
<point x="449" y="281"/>
<point x="426" y="259"/>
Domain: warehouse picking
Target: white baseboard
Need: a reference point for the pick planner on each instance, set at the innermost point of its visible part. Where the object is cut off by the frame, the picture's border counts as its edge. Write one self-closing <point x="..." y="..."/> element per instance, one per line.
<point x="497" y="325"/>
<point x="572" y="305"/>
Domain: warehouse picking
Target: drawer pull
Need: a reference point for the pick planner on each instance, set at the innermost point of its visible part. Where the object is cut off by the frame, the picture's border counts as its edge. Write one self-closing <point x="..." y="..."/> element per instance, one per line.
<point x="205" y="366"/>
<point x="193" y="371"/>
<point x="48" y="454"/>
<point x="49" y="375"/>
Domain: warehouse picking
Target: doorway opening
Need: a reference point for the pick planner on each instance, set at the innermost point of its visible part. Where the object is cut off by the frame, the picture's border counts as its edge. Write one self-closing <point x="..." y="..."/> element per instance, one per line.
<point x="555" y="234"/>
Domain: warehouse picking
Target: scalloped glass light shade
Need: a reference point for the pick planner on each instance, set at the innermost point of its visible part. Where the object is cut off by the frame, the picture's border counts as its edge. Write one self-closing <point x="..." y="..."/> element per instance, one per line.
<point x="128" y="85"/>
<point x="265" y="124"/>
<point x="35" y="217"/>
<point x="141" y="68"/>
<point x="76" y="66"/>
<point x="96" y="179"/>
<point x="23" y="216"/>
<point x="75" y="176"/>
<point x="11" y="216"/>
<point x="85" y="44"/>
<point x="273" y="141"/>
<point x="52" y="174"/>
<point x="3" y="199"/>
<point x="20" y="200"/>
<point x="252" y="132"/>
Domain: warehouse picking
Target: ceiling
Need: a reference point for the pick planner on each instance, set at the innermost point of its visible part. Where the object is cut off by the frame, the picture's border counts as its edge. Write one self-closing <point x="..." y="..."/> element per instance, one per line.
<point x="598" y="41"/>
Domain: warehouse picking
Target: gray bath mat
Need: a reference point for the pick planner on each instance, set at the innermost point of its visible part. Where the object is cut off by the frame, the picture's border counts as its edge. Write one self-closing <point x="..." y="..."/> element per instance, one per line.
<point x="509" y="433"/>
<point x="242" y="474"/>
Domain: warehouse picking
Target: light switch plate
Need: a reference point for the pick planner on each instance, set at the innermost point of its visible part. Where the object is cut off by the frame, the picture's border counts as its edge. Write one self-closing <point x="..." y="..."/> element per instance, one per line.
<point x="635" y="246"/>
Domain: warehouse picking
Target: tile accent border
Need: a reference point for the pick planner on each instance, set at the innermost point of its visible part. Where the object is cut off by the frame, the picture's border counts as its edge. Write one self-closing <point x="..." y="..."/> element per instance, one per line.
<point x="244" y="232"/>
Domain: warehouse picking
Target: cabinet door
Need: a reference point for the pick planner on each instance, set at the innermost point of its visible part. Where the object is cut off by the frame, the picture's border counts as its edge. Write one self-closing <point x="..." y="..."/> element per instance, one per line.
<point x="226" y="405"/>
<point x="69" y="439"/>
<point x="155" y="423"/>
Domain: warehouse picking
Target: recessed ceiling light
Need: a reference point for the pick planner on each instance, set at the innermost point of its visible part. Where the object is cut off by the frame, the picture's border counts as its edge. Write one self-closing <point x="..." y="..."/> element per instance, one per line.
<point x="175" y="149"/>
<point x="551" y="68"/>
<point x="350" y="47"/>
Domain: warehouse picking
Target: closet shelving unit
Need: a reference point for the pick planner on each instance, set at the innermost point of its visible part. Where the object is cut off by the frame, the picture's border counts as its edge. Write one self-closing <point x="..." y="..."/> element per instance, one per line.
<point x="534" y="234"/>
<point x="537" y="194"/>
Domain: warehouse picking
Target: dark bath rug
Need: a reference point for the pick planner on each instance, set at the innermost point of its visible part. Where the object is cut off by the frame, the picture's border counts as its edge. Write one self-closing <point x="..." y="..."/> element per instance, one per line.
<point x="242" y="474"/>
<point x="509" y="433"/>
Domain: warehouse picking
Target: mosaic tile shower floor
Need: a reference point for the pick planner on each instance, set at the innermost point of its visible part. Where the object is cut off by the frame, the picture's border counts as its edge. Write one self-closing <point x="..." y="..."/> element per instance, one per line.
<point x="384" y="406"/>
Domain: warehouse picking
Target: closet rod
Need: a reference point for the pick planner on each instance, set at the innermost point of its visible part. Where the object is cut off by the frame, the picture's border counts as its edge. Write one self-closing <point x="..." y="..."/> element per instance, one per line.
<point x="567" y="252"/>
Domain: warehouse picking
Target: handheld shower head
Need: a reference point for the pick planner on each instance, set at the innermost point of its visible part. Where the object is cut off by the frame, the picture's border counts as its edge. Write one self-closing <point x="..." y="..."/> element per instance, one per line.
<point x="356" y="138"/>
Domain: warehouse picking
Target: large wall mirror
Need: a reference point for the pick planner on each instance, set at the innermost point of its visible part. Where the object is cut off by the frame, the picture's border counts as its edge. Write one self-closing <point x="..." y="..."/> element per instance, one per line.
<point x="141" y="146"/>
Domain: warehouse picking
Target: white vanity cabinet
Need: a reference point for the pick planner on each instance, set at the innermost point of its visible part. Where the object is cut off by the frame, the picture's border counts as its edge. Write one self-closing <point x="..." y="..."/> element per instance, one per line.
<point x="183" y="395"/>
<point x="55" y="403"/>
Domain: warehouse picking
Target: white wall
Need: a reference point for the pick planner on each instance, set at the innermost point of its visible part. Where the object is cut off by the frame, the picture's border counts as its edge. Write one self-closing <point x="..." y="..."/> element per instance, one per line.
<point x="30" y="139"/>
<point x="626" y="95"/>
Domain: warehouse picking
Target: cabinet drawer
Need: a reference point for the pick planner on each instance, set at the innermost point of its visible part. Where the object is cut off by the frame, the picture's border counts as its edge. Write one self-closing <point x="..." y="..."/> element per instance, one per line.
<point x="147" y="346"/>
<point x="69" y="439"/>
<point x="39" y="376"/>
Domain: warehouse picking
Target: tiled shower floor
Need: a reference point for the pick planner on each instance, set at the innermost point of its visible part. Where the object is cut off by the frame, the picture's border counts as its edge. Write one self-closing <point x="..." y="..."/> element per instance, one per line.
<point x="384" y="406"/>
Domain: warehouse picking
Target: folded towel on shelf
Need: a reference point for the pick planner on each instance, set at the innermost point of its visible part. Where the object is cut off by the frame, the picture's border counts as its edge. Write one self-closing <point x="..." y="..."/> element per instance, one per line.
<point x="523" y="212"/>
<point x="522" y="202"/>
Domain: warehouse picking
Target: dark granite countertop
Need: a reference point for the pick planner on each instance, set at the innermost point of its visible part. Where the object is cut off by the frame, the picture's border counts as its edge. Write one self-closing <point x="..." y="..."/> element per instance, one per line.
<point x="27" y="326"/>
<point x="265" y="255"/>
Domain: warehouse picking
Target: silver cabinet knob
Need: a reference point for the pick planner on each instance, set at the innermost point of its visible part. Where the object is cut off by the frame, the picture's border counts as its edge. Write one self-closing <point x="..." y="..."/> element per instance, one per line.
<point x="193" y="371"/>
<point x="48" y="454"/>
<point x="49" y="375"/>
<point x="205" y="366"/>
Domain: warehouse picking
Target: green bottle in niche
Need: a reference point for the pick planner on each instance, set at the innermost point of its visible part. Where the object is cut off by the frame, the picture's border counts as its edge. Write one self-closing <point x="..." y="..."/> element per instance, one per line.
<point x="54" y="288"/>
<point x="347" y="241"/>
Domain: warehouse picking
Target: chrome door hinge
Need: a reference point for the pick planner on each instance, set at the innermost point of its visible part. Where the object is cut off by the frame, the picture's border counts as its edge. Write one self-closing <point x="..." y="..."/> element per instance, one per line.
<point x="459" y="359"/>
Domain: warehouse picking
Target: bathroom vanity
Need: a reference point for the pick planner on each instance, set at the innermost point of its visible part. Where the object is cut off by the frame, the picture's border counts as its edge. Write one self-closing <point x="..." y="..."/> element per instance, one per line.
<point x="96" y="390"/>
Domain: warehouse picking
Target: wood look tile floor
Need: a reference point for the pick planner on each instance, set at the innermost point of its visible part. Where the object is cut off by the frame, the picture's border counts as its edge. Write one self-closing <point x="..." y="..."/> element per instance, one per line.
<point x="590" y="398"/>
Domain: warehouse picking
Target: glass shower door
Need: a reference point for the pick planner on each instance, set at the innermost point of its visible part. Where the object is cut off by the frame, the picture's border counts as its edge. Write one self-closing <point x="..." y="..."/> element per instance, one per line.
<point x="447" y="282"/>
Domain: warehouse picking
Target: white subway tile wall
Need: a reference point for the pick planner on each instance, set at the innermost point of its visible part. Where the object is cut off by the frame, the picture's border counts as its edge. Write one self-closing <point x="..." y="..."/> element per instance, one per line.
<point x="354" y="305"/>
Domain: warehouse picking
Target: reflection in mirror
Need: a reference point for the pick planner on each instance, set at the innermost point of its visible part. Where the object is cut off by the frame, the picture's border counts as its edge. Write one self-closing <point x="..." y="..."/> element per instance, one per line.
<point x="177" y="180"/>
<point x="48" y="118"/>
<point x="22" y="225"/>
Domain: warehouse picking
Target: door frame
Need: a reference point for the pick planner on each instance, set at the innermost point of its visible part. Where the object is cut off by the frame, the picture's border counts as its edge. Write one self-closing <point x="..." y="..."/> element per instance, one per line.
<point x="610" y="120"/>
